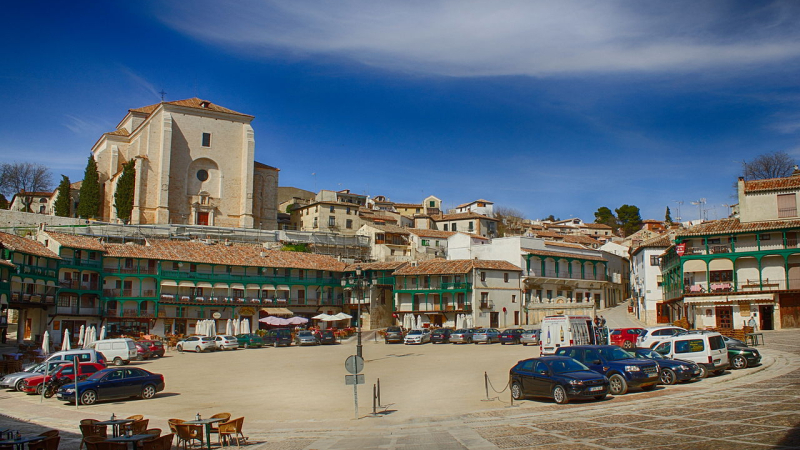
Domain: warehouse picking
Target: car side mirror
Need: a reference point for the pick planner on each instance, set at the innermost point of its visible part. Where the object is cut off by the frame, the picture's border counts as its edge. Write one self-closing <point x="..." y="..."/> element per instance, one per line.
<point x="597" y="361"/>
<point x="543" y="372"/>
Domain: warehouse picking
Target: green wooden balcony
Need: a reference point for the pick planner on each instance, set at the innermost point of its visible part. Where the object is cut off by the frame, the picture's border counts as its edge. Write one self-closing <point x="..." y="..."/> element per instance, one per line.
<point x="256" y="279"/>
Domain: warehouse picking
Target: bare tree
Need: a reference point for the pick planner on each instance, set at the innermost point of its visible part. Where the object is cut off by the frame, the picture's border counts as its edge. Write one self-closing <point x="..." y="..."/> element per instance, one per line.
<point x="777" y="164"/>
<point x="24" y="176"/>
<point x="510" y="221"/>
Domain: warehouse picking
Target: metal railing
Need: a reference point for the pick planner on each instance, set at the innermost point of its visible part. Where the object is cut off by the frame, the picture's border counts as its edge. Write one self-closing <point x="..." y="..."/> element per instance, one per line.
<point x="88" y="263"/>
<point x="266" y="279"/>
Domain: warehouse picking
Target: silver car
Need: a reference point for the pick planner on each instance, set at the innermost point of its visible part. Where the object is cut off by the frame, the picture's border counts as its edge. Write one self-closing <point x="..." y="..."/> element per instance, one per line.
<point x="462" y="336"/>
<point x="197" y="344"/>
<point x="530" y="337"/>
<point x="17" y="380"/>
<point x="306" y="338"/>
<point x="226" y="342"/>
<point x="486" y="335"/>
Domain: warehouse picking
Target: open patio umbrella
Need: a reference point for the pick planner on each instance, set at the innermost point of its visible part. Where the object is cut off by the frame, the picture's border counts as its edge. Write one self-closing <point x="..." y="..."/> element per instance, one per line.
<point x="323" y="317"/>
<point x="297" y="320"/>
<point x="81" y="336"/>
<point x="65" y="342"/>
<point x="228" y="327"/>
<point x="342" y="316"/>
<point x="102" y="333"/>
<point x="46" y="343"/>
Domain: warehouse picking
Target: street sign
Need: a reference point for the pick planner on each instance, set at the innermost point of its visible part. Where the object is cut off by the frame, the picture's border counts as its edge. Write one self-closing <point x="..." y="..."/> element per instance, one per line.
<point x="354" y="379"/>
<point x="680" y="249"/>
<point x="354" y="364"/>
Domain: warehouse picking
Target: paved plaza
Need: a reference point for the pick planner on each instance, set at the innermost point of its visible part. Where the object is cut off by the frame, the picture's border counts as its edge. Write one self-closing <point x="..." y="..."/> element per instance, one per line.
<point x="434" y="397"/>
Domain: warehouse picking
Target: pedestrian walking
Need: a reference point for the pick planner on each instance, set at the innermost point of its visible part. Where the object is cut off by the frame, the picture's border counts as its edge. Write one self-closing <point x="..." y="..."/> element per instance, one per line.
<point x="602" y="321"/>
<point x="752" y="323"/>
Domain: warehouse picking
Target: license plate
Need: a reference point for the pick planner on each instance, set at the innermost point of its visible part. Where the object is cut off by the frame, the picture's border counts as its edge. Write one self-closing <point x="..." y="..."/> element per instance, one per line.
<point x="595" y="388"/>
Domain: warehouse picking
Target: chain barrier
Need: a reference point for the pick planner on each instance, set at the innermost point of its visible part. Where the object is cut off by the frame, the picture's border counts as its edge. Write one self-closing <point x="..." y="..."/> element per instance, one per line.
<point x="488" y="383"/>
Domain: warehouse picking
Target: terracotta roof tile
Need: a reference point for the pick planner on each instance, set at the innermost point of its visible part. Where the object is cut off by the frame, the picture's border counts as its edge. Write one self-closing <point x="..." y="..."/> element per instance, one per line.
<point x="25" y="245"/>
<point x="562" y="254"/>
<point x="662" y="241"/>
<point x="8" y="264"/>
<point x="772" y="184"/>
<point x="563" y="244"/>
<point x="597" y="226"/>
<point x="422" y="232"/>
<point x="259" y="165"/>
<point x="191" y="103"/>
<point x="461" y="216"/>
<point x="390" y="229"/>
<point x="735" y="226"/>
<point x="475" y="201"/>
<point x="76" y="241"/>
<point x="454" y="266"/>
<point x="408" y="205"/>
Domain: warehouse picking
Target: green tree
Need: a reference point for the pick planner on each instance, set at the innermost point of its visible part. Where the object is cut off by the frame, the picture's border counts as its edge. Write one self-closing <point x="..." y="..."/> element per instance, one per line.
<point x="89" y="205"/>
<point x="303" y="248"/>
<point x="605" y="216"/>
<point x="668" y="217"/>
<point x="123" y="196"/>
<point x="63" y="200"/>
<point x="629" y="219"/>
<point x="3" y="202"/>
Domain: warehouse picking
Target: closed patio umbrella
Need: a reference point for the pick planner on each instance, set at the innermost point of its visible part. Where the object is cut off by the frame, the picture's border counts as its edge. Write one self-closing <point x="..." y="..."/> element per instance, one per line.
<point x="247" y="326"/>
<point x="81" y="336"/>
<point x="46" y="343"/>
<point x="212" y="327"/>
<point x="86" y="337"/>
<point x="65" y="342"/>
<point x="419" y="322"/>
<point x="102" y="333"/>
<point x="236" y="326"/>
<point x="228" y="327"/>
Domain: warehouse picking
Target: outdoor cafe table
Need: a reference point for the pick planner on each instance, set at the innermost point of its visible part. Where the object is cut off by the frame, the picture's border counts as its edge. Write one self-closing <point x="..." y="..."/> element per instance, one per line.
<point x="115" y="424"/>
<point x="133" y="439"/>
<point x="207" y="423"/>
<point x="19" y="444"/>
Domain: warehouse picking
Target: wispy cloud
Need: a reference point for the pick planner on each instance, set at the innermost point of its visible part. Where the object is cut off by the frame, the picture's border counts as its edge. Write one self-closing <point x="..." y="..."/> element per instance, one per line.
<point x="140" y="81"/>
<point x="84" y="126"/>
<point x="514" y="37"/>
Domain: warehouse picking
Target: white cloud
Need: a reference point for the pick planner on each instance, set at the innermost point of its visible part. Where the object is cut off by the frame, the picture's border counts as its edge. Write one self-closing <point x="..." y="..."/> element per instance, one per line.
<point x="513" y="37"/>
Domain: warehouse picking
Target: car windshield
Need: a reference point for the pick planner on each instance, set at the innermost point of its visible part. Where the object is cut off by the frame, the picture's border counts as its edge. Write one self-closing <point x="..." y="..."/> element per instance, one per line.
<point x="415" y="332"/>
<point x="566" y="365"/>
<point x="462" y="331"/>
<point x="647" y="353"/>
<point x="530" y="332"/>
<point x="393" y="329"/>
<point x="481" y="331"/>
<point x="305" y="334"/>
<point x="327" y="333"/>
<point x="439" y="331"/>
<point x="614" y="354"/>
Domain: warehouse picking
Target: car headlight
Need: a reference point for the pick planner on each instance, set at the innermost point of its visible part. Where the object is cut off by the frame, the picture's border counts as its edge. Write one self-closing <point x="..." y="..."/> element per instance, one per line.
<point x="683" y="367"/>
<point x="632" y="369"/>
<point x="575" y="382"/>
<point x="69" y="390"/>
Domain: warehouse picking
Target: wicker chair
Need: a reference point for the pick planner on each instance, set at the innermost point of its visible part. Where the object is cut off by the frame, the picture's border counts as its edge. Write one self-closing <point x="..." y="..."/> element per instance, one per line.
<point x="174" y="429"/>
<point x="189" y="433"/>
<point x="226" y="416"/>
<point x="154" y="431"/>
<point x="162" y="443"/>
<point x="139" y="426"/>
<point x="232" y="429"/>
<point x="92" y="441"/>
<point x="49" y="433"/>
<point x="135" y="417"/>
<point x="50" y="443"/>
<point x="89" y="429"/>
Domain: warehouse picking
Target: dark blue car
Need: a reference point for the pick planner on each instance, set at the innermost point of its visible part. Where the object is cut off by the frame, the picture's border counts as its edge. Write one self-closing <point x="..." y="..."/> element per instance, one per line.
<point x="622" y="368"/>
<point x="558" y="377"/>
<point x="115" y="383"/>
<point x="671" y="371"/>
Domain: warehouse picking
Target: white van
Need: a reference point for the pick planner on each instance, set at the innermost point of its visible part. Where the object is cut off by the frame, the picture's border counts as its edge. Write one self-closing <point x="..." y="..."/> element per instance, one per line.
<point x="84" y="355"/>
<point x="708" y="350"/>
<point x="558" y="331"/>
<point x="119" y="351"/>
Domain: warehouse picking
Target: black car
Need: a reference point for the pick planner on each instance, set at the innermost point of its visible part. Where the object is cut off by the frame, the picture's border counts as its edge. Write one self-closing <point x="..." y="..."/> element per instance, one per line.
<point x="558" y="377"/>
<point x="394" y="334"/>
<point x="441" y="336"/>
<point x="278" y="337"/>
<point x="115" y="383"/>
<point x="742" y="357"/>
<point x="622" y="368"/>
<point x="327" y="337"/>
<point x="671" y="371"/>
<point x="511" y="336"/>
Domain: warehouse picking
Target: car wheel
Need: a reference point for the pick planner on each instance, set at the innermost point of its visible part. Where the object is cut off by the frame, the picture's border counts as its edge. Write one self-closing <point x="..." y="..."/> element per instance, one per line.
<point x="524" y="344"/>
<point x="516" y="391"/>
<point x="703" y="371"/>
<point x="668" y="376"/>
<point x="600" y="397"/>
<point x="139" y="358"/>
<point x="739" y="362"/>
<point x="275" y="344"/>
<point x="198" y="349"/>
<point x="560" y="395"/>
<point x="617" y="384"/>
<point x="18" y="386"/>
<point x="502" y="343"/>
<point x="180" y="349"/>
<point x="88" y="398"/>
<point x="627" y="344"/>
<point x="118" y="361"/>
<point x="246" y="346"/>
<point x="148" y="392"/>
<point x="39" y="389"/>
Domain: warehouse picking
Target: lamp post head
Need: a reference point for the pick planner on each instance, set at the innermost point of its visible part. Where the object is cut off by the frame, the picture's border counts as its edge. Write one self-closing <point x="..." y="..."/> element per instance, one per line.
<point x="358" y="271"/>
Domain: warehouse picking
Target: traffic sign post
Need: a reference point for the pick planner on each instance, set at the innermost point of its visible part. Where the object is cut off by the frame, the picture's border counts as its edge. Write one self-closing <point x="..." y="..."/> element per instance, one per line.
<point x="354" y="364"/>
<point x="354" y="379"/>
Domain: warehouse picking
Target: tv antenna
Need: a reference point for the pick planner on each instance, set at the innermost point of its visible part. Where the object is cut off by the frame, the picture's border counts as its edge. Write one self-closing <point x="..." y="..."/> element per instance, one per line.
<point x="678" y="216"/>
<point x="700" y="204"/>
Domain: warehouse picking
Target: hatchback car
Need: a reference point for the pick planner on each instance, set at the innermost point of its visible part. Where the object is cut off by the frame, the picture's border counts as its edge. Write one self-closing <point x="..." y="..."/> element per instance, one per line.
<point x="394" y="335"/>
<point x="249" y="340"/>
<point x="622" y="368"/>
<point x="486" y="336"/>
<point x="462" y="336"/>
<point x="511" y="336"/>
<point x="441" y="336"/>
<point x="530" y="337"/>
<point x="417" y="337"/>
<point x="558" y="377"/>
<point x="625" y="337"/>
<point x="16" y="380"/>
<point x="114" y="383"/>
<point x="142" y="351"/>
<point x="226" y="342"/>
<point x="652" y="336"/>
<point x="34" y="385"/>
<point x="671" y="371"/>
<point x="743" y="357"/>
<point x="306" y="337"/>
<point x="197" y="344"/>
<point x="278" y="337"/>
<point x="156" y="347"/>
<point x="327" y="337"/>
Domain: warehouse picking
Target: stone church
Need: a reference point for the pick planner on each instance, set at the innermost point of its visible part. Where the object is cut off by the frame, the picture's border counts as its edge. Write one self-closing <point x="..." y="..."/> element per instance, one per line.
<point x="194" y="165"/>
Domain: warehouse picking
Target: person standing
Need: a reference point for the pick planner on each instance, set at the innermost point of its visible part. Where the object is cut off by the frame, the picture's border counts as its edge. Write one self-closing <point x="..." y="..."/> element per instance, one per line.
<point x="752" y="323"/>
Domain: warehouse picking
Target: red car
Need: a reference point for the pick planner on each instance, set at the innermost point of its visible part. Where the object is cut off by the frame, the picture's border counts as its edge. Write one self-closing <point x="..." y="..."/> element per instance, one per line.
<point x="625" y="337"/>
<point x="156" y="348"/>
<point x="34" y="385"/>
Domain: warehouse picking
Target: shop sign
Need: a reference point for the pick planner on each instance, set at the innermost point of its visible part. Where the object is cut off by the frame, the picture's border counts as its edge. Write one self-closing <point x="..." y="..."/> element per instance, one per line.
<point x="247" y="311"/>
<point x="680" y="249"/>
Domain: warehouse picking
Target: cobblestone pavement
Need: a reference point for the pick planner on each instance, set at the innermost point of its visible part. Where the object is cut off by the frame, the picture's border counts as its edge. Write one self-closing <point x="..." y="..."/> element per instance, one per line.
<point x="751" y="408"/>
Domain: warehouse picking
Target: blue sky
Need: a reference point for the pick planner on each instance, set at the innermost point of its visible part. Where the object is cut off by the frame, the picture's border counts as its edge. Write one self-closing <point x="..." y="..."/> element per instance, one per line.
<point x="547" y="107"/>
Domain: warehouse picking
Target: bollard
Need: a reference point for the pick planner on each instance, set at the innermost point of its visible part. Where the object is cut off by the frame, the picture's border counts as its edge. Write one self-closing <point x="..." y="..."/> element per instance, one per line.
<point x="379" y="393"/>
<point x="374" y="399"/>
<point x="486" y="384"/>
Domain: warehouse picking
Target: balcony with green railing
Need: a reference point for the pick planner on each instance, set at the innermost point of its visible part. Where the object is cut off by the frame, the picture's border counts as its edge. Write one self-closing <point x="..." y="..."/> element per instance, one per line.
<point x="254" y="279"/>
<point x="36" y="271"/>
<point x="147" y="271"/>
<point x="79" y="263"/>
<point x="434" y="287"/>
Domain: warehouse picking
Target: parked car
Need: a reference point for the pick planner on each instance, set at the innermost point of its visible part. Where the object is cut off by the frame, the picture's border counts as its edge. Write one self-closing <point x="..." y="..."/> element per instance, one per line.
<point x="142" y="351"/>
<point x="156" y="347"/>
<point x="441" y="336"/>
<point x="394" y="334"/>
<point x="197" y="344"/>
<point x="625" y="337"/>
<point x="671" y="371"/>
<point x="16" y="380"/>
<point x="119" y="351"/>
<point x="278" y="337"/>
<point x="486" y="335"/>
<point x="708" y="350"/>
<point x="249" y="340"/>
<point x="327" y="337"/>
<point x="417" y="337"/>
<point x="511" y="336"/>
<point x="729" y="341"/>
<point x="623" y="369"/>
<point x="743" y="357"/>
<point x="34" y="385"/>
<point x="82" y="355"/>
<point x="649" y="337"/>
<point x="530" y="337"/>
<point x="462" y="336"/>
<point x="306" y="337"/>
<point x="114" y="383"/>
<point x="226" y="342"/>
<point x="558" y="377"/>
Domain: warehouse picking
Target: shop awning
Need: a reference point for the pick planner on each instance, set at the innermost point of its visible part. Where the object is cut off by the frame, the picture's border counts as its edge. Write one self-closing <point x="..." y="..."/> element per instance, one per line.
<point x="186" y="284"/>
<point x="268" y="287"/>
<point x="237" y="286"/>
<point x="254" y="286"/>
<point x="220" y="285"/>
<point x="282" y="287"/>
<point x="204" y="284"/>
<point x="168" y="283"/>
<point x="767" y="299"/>
<point x="277" y="311"/>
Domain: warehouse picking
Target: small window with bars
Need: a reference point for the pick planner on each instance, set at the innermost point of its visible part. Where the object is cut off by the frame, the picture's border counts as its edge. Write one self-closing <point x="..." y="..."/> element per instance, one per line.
<point x="787" y="205"/>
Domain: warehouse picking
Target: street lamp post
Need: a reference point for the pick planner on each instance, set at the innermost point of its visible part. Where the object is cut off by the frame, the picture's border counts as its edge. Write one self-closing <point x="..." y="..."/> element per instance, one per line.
<point x="359" y="283"/>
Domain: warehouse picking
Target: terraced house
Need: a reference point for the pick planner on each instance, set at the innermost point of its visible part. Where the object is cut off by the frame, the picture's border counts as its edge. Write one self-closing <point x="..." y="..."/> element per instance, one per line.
<point x="722" y="273"/>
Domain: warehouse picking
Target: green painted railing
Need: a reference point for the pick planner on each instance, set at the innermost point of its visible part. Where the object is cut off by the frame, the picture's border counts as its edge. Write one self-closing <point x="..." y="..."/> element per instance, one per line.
<point x="266" y="279"/>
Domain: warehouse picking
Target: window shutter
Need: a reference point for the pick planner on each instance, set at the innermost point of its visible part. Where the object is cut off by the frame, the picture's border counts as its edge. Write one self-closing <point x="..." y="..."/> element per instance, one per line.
<point x="787" y="205"/>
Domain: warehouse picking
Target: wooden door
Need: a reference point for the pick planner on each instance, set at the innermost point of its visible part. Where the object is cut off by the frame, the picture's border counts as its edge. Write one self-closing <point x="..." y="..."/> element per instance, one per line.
<point x="202" y="218"/>
<point x="790" y="310"/>
<point x="724" y="316"/>
<point x="765" y="317"/>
